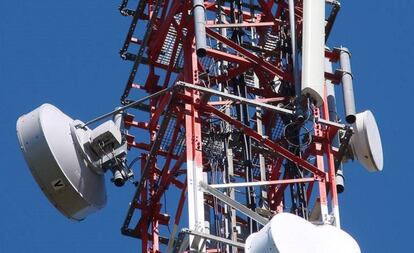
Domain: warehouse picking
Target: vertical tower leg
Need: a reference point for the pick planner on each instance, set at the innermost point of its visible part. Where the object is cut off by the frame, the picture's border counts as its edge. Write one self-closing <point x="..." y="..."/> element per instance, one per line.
<point x="193" y="149"/>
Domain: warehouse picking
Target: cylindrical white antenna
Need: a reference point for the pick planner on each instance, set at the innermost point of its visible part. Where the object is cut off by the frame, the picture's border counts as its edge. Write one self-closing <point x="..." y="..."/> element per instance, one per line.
<point x="313" y="50"/>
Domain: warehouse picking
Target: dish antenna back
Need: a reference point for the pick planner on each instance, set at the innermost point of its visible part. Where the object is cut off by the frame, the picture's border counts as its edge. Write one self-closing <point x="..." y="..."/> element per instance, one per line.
<point x="281" y="233"/>
<point x="69" y="160"/>
<point x="366" y="144"/>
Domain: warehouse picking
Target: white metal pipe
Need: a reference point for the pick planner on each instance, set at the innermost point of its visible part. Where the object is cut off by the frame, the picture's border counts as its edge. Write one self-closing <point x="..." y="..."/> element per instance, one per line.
<point x="234" y="97"/>
<point x="135" y="103"/>
<point x="200" y="27"/>
<point x="262" y="183"/>
<point x="117" y="118"/>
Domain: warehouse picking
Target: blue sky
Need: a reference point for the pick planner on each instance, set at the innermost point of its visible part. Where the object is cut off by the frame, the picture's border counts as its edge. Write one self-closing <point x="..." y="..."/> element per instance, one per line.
<point x="66" y="53"/>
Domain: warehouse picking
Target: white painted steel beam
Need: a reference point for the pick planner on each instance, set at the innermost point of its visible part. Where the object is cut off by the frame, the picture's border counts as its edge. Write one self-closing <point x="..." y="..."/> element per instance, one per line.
<point x="213" y="238"/>
<point x="262" y="183"/>
<point x="234" y="98"/>
<point x="233" y="203"/>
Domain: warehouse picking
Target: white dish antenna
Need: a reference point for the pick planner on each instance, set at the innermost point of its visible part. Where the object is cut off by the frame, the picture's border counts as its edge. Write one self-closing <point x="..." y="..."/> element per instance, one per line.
<point x="66" y="160"/>
<point x="281" y="233"/>
<point x="365" y="143"/>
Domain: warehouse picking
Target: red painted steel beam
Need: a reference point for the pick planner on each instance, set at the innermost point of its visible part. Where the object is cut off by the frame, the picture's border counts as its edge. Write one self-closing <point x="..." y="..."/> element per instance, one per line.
<point x="319" y="154"/>
<point x="165" y="180"/>
<point x="267" y="8"/>
<point x="220" y="55"/>
<point x="165" y="100"/>
<point x="278" y="149"/>
<point x="137" y="124"/>
<point x="259" y="62"/>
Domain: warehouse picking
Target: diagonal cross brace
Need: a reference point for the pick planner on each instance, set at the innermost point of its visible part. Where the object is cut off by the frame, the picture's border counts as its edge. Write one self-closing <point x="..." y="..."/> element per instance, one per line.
<point x="145" y="172"/>
<point x="265" y="141"/>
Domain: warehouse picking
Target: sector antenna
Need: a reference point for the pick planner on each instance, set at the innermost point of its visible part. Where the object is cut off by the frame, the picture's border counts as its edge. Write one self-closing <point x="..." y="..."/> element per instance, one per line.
<point x="229" y="119"/>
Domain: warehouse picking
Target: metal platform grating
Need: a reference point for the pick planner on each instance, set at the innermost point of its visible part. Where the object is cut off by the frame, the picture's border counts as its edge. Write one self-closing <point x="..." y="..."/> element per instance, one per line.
<point x="167" y="49"/>
<point x="278" y="129"/>
<point x="167" y="141"/>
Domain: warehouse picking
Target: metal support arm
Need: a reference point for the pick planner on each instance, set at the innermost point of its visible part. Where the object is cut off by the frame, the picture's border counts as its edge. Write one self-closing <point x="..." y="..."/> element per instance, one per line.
<point x="234" y="97"/>
<point x="231" y="202"/>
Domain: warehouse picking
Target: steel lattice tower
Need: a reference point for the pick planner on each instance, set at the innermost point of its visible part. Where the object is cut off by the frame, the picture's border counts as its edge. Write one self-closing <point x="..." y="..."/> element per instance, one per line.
<point x="227" y="138"/>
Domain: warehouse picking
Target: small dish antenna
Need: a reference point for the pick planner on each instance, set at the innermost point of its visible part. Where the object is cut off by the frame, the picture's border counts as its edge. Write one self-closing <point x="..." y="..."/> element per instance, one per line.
<point x="365" y="143"/>
<point x="68" y="160"/>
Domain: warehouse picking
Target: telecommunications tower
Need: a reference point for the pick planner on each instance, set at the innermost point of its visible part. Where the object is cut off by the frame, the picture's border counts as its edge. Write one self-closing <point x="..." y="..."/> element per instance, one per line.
<point x="228" y="128"/>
